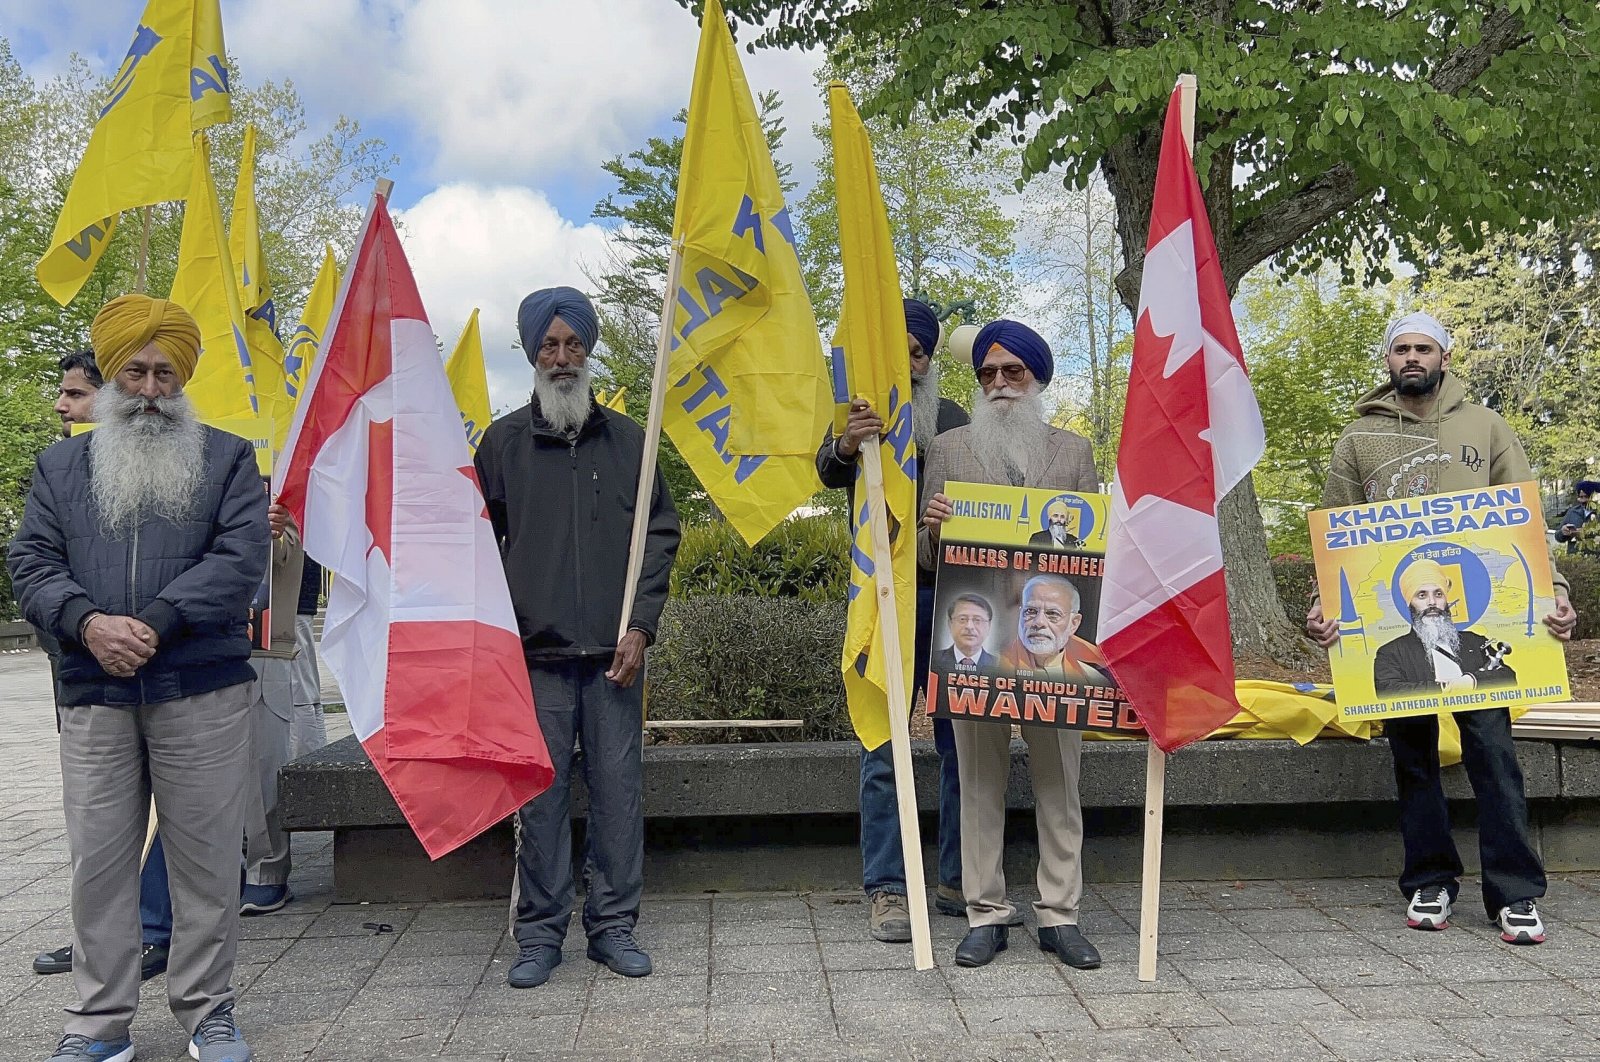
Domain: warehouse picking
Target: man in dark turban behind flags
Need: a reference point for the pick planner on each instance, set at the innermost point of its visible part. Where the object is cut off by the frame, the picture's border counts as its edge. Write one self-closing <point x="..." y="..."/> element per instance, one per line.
<point x="883" y="865"/>
<point x="140" y="548"/>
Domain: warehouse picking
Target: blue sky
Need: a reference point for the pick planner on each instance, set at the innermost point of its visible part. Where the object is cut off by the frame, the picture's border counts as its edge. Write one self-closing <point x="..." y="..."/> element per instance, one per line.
<point x="501" y="112"/>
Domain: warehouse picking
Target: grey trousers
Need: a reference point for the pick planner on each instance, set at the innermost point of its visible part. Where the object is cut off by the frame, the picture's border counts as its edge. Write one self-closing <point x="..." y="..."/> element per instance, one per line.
<point x="193" y="754"/>
<point x="308" y="728"/>
<point x="576" y="700"/>
<point x="269" y="738"/>
<point x="983" y="756"/>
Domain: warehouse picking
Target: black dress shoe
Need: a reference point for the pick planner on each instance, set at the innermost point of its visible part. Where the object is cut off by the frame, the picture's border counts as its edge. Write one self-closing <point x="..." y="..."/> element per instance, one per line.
<point x="979" y="946"/>
<point x="152" y="961"/>
<point x="1070" y="946"/>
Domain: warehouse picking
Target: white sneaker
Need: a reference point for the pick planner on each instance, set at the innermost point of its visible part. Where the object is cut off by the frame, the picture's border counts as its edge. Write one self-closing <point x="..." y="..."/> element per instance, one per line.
<point x="1429" y="908"/>
<point x="1520" y="924"/>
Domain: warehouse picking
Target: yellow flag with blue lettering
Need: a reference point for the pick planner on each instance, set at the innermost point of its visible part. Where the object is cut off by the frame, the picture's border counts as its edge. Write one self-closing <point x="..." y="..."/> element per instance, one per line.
<point x="255" y="298"/>
<point x="172" y="82"/>
<point x="223" y="386"/>
<point x="306" y="339"/>
<point x="747" y="400"/>
<point x="469" y="381"/>
<point x="870" y="342"/>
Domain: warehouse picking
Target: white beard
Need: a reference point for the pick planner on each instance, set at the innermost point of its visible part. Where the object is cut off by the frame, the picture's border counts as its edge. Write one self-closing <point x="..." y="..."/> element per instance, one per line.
<point x="563" y="403"/>
<point x="1437" y="632"/>
<point x="144" y="466"/>
<point x="925" y="407"/>
<point x="1011" y="429"/>
<point x="1043" y="644"/>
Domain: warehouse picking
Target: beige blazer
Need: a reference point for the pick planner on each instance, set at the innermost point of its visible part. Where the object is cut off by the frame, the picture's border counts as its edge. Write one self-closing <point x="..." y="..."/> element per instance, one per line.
<point x="1065" y="462"/>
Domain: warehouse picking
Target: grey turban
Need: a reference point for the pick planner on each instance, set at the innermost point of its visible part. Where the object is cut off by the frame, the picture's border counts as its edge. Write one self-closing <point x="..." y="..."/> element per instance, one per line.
<point x="545" y="305"/>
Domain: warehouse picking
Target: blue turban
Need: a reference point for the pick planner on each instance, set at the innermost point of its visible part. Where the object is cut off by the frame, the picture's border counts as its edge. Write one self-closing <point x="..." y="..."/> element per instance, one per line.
<point x="923" y="323"/>
<point x="1020" y="340"/>
<point x="545" y="305"/>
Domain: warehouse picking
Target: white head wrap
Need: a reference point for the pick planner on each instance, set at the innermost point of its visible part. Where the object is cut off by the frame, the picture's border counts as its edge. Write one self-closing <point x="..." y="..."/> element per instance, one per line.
<point x="1422" y="324"/>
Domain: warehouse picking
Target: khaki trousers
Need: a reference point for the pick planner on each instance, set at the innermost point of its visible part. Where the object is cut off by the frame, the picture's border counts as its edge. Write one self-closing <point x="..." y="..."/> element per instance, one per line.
<point x="194" y="754"/>
<point x="983" y="754"/>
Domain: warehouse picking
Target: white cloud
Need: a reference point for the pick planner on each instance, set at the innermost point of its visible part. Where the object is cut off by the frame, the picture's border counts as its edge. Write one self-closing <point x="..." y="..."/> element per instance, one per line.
<point x="471" y="245"/>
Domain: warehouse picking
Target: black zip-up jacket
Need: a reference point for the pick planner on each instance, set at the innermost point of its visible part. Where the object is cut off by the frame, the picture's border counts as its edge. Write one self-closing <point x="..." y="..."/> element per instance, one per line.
<point x="562" y="510"/>
<point x="191" y="581"/>
<point x="836" y="471"/>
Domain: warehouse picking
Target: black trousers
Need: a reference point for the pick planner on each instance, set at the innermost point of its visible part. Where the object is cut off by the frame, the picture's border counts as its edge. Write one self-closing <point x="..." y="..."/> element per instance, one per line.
<point x="1512" y="870"/>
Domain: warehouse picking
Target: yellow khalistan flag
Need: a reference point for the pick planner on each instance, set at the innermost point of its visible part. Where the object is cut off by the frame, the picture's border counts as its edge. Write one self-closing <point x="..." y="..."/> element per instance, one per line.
<point x="614" y="401"/>
<point x="172" y="82"/>
<point x="748" y="400"/>
<point x="306" y="339"/>
<point x="205" y="285"/>
<point x="255" y="298"/>
<point x="469" y="381"/>
<point x="871" y="341"/>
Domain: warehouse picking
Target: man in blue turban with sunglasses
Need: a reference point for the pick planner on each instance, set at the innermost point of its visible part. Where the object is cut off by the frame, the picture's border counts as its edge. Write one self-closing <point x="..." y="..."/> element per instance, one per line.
<point x="883" y="866"/>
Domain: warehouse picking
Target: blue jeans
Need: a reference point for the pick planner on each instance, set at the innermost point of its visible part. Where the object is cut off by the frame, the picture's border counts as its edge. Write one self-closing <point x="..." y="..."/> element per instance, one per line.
<point x="155" y="901"/>
<point x="883" y="864"/>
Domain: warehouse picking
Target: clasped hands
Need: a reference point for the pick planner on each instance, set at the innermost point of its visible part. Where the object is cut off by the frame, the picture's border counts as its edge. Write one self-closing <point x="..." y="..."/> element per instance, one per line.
<point x="121" y="644"/>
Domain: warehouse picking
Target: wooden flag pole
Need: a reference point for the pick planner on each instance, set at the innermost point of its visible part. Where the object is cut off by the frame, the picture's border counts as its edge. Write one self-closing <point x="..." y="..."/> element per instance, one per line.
<point x="894" y="674"/>
<point x="652" y="442"/>
<point x="1155" y="764"/>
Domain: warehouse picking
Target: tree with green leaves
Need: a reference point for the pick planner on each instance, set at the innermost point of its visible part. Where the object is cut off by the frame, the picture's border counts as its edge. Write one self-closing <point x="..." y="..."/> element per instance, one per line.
<point x="1322" y="128"/>
<point x="1313" y="351"/>
<point x="631" y="282"/>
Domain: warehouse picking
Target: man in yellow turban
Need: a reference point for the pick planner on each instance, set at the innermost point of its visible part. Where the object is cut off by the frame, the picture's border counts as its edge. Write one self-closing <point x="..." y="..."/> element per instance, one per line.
<point x="139" y="551"/>
<point x="1434" y="655"/>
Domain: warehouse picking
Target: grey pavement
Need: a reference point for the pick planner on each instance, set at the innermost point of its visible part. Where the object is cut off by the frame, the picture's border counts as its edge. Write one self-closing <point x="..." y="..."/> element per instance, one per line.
<point x="1277" y="970"/>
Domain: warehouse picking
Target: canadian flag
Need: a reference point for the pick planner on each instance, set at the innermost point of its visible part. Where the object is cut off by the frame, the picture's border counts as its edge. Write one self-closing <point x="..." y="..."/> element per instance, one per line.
<point x="419" y="629"/>
<point x="1191" y="432"/>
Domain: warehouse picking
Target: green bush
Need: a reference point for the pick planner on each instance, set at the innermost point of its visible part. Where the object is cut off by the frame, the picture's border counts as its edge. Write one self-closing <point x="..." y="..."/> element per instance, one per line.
<point x="749" y="657"/>
<point x="808" y="558"/>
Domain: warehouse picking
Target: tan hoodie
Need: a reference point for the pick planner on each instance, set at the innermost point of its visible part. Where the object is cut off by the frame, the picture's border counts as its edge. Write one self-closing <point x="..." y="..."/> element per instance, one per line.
<point x="1388" y="453"/>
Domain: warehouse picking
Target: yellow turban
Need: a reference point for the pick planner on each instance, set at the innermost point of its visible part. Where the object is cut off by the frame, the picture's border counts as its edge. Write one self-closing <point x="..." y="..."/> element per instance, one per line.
<point x="1420" y="573"/>
<point x="127" y="325"/>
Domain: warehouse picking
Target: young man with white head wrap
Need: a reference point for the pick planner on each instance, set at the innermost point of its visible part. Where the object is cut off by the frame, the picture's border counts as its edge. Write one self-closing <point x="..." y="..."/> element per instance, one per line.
<point x="1418" y="434"/>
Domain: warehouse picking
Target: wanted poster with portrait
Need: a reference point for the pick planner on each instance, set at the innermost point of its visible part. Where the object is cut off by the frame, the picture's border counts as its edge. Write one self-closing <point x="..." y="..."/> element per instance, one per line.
<point x="1016" y="602"/>
<point x="1440" y="601"/>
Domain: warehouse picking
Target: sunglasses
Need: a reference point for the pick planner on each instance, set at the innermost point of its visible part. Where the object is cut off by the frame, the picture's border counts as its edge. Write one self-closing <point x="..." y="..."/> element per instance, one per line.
<point x="1013" y="373"/>
<point x="1407" y="348"/>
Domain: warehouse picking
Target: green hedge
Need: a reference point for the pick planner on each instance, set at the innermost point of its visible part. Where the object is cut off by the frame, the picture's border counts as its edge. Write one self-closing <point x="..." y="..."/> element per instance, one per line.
<point x="747" y="657"/>
<point x="806" y="558"/>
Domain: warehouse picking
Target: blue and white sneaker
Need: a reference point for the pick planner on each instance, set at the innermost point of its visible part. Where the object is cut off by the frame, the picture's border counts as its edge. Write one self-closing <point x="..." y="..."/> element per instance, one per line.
<point x="218" y="1038"/>
<point x="77" y="1048"/>
<point x="263" y="899"/>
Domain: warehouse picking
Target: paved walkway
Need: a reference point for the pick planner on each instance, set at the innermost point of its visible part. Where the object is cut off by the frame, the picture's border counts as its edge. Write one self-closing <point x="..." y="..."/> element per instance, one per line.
<point x="1275" y="970"/>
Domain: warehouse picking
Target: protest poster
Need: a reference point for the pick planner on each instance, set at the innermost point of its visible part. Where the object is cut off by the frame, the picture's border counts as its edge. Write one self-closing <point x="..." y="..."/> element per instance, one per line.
<point x="1440" y="601"/>
<point x="1016" y="602"/>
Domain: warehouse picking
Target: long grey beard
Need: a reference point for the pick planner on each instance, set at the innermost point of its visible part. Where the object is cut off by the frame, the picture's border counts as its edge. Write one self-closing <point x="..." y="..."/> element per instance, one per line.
<point x="564" y="403"/>
<point x="1437" y="632"/>
<point x="144" y="466"/>
<point x="1006" y="434"/>
<point x="925" y="407"/>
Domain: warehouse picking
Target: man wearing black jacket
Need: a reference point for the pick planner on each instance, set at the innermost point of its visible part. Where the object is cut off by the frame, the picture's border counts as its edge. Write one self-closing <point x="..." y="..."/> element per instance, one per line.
<point x="883" y="863"/>
<point x="139" y="551"/>
<point x="560" y="476"/>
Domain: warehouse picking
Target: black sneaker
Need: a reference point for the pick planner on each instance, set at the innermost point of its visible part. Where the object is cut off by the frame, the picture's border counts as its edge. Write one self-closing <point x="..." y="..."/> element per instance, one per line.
<point x="152" y="961"/>
<point x="54" y="962"/>
<point x="621" y="954"/>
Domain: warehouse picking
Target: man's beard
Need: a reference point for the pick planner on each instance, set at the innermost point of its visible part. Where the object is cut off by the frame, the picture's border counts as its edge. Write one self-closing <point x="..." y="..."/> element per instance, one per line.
<point x="925" y="407"/>
<point x="1043" y="643"/>
<point x="1008" y="431"/>
<point x="1433" y="626"/>
<point x="1414" y="386"/>
<point x="564" y="403"/>
<point x="144" y="465"/>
